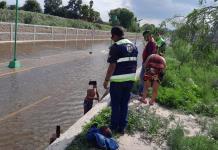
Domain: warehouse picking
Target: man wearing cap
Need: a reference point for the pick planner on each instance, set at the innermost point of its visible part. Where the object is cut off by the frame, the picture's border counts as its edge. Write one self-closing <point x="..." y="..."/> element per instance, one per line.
<point x="122" y="61"/>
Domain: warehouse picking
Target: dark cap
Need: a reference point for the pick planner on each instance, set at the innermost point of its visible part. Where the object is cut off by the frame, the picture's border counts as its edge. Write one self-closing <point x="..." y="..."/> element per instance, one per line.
<point x="92" y="82"/>
<point x="146" y="32"/>
<point x="117" y="30"/>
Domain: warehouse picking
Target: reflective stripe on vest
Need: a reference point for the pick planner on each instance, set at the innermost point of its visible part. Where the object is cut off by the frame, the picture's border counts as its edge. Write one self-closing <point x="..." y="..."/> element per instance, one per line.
<point x="123" y="41"/>
<point x="127" y="59"/>
<point x="123" y="77"/>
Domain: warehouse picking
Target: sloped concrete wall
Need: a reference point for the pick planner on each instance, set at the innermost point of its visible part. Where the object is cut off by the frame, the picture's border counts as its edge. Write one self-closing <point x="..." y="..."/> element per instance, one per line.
<point x="66" y="138"/>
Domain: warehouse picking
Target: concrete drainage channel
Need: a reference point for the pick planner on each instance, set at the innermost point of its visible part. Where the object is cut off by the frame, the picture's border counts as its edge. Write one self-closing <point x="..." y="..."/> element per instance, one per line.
<point x="66" y="138"/>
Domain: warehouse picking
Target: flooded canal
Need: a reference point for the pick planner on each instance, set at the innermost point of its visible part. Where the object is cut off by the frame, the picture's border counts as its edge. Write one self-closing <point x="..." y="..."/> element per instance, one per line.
<point x="34" y="101"/>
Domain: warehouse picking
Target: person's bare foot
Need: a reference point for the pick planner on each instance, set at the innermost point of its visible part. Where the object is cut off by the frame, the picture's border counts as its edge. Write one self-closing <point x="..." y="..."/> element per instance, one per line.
<point x="143" y="100"/>
<point x="152" y="102"/>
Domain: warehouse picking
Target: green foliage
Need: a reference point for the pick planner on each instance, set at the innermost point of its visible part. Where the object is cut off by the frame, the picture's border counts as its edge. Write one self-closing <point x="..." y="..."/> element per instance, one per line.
<point x="214" y="130"/>
<point x="85" y="12"/>
<point x="187" y="86"/>
<point x="74" y="8"/>
<point x="3" y="4"/>
<point x="206" y="109"/>
<point x="51" y="6"/>
<point x="124" y="17"/>
<point x="199" y="29"/>
<point x="177" y="141"/>
<point x="32" y="5"/>
<point x="80" y="142"/>
<point x="181" y="50"/>
<point x="42" y="19"/>
<point x="150" y="27"/>
<point x="175" y="137"/>
<point x="143" y="120"/>
<point x="139" y="119"/>
<point x="12" y="7"/>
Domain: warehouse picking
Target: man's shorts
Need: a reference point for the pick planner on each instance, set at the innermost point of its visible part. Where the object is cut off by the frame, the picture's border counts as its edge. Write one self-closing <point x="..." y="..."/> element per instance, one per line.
<point x="153" y="76"/>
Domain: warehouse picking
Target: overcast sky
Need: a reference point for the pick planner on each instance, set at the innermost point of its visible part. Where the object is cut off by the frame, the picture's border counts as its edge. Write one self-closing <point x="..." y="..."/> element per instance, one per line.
<point x="151" y="11"/>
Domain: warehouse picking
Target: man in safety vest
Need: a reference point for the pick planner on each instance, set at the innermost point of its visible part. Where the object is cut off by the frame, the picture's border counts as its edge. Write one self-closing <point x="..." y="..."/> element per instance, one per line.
<point x="155" y="66"/>
<point x="121" y="74"/>
<point x="161" y="44"/>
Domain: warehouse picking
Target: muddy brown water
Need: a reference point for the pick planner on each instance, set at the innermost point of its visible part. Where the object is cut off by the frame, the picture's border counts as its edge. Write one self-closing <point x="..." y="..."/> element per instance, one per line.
<point x="33" y="102"/>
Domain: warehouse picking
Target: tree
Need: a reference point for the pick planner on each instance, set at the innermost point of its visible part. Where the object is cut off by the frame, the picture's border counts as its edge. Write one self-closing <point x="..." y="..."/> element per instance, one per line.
<point x="52" y="6"/>
<point x="74" y="9"/>
<point x="199" y="29"/>
<point x="3" y="4"/>
<point x="85" y="12"/>
<point x="12" y="7"/>
<point x="150" y="27"/>
<point x="125" y="17"/>
<point x="32" y="5"/>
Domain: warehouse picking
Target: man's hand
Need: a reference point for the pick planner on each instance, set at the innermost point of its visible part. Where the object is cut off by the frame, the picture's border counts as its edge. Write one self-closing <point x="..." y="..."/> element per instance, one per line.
<point x="105" y="84"/>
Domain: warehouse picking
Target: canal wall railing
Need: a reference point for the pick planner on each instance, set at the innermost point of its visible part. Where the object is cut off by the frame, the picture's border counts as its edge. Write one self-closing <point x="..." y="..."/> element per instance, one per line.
<point x="30" y="33"/>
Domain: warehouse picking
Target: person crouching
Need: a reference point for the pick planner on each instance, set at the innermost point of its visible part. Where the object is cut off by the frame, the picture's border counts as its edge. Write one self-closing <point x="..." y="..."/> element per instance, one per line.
<point x="154" y="66"/>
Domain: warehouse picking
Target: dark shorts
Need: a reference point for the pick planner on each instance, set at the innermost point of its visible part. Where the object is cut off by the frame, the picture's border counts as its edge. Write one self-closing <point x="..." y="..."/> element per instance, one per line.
<point x="87" y="105"/>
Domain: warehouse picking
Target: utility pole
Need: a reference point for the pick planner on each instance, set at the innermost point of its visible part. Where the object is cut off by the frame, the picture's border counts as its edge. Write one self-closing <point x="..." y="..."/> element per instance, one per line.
<point x="14" y="63"/>
<point x="137" y="30"/>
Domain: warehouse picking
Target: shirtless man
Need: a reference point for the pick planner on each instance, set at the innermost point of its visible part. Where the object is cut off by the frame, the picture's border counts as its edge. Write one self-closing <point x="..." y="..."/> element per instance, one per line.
<point x="92" y="94"/>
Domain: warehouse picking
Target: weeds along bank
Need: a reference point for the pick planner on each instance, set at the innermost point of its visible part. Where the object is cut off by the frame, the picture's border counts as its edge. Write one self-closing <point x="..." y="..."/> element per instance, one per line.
<point x="189" y="84"/>
<point x="49" y="20"/>
<point x="157" y="128"/>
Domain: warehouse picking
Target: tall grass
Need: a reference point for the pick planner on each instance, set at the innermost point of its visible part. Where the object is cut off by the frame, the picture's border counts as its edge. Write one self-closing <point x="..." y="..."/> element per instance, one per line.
<point x="177" y="141"/>
<point x="189" y="85"/>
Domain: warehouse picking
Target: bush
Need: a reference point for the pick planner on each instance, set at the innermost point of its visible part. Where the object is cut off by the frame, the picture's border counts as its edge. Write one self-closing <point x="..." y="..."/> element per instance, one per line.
<point x="177" y="141"/>
<point x="214" y="130"/>
<point x="175" y="137"/>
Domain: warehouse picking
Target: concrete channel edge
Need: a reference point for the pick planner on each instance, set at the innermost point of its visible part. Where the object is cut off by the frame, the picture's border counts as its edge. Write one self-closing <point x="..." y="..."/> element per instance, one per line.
<point x="66" y="138"/>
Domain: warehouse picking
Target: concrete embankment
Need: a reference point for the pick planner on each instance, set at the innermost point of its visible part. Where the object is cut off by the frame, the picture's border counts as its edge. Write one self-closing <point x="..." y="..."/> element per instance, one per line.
<point x="67" y="137"/>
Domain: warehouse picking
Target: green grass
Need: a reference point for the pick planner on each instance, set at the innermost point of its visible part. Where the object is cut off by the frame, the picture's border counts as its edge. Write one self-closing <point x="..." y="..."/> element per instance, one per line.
<point x="80" y="142"/>
<point x="140" y="120"/>
<point x="49" y="20"/>
<point x="177" y="141"/>
<point x="213" y="131"/>
<point x="188" y="86"/>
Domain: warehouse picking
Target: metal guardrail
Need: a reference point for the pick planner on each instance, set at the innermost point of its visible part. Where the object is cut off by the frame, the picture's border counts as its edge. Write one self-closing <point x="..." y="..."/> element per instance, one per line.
<point x="27" y="32"/>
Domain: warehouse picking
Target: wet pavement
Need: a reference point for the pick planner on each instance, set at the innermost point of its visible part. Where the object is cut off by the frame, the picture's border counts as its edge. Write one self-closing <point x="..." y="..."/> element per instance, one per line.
<point x="47" y="91"/>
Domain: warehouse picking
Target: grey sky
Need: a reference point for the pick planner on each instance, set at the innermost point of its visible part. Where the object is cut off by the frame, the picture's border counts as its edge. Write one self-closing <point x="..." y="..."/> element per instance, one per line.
<point x="152" y="11"/>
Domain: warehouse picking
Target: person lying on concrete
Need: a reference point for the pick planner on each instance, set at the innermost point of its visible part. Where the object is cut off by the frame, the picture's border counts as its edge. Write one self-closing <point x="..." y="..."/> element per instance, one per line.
<point x="92" y="94"/>
<point x="155" y="66"/>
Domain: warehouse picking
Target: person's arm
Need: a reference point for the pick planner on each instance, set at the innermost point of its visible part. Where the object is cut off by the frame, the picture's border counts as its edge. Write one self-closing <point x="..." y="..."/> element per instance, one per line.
<point x="110" y="71"/>
<point x="112" y="60"/>
<point x="146" y="62"/>
<point x="105" y="94"/>
<point x="97" y="95"/>
<point x="153" y="48"/>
